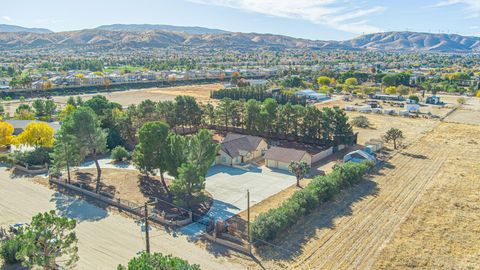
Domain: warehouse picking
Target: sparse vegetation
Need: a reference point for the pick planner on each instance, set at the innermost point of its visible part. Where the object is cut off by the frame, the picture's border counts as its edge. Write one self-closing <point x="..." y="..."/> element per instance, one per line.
<point x="361" y="121"/>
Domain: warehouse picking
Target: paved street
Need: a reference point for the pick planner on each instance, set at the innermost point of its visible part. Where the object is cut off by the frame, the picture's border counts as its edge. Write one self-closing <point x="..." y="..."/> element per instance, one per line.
<point x="105" y="239"/>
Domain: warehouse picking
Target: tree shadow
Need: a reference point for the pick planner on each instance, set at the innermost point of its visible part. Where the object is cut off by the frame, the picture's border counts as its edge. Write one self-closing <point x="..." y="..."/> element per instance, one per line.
<point x="288" y="245"/>
<point x="78" y="209"/>
<point x="416" y="156"/>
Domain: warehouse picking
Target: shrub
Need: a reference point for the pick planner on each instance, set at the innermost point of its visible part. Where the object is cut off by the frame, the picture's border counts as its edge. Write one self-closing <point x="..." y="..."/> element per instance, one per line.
<point x="8" y="251"/>
<point x="120" y="154"/>
<point x="461" y="100"/>
<point x="415" y="98"/>
<point x="158" y="261"/>
<point x="38" y="156"/>
<point x="269" y="225"/>
<point x="361" y="121"/>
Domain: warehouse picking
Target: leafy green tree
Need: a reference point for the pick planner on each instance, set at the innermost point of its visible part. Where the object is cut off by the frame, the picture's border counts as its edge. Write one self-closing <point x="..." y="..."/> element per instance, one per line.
<point x="47" y="239"/>
<point x="393" y="135"/>
<point x="300" y="169"/>
<point x="71" y="101"/>
<point x="66" y="153"/>
<point x="252" y="114"/>
<point x="152" y="151"/>
<point x="39" y="106"/>
<point x="84" y="127"/>
<point x="178" y="148"/>
<point x="324" y="80"/>
<point x="158" y="261"/>
<point x="120" y="154"/>
<point x="191" y="174"/>
<point x="351" y="82"/>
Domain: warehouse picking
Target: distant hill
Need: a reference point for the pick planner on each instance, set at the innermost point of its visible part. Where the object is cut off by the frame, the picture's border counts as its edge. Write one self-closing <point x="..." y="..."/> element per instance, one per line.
<point x="194" y="30"/>
<point x="15" y="28"/>
<point x="135" y="37"/>
<point x="412" y="41"/>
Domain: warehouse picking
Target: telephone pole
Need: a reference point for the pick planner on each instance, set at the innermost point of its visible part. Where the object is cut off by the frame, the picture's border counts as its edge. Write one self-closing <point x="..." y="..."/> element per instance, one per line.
<point x="248" y="222"/>
<point x="147" y="235"/>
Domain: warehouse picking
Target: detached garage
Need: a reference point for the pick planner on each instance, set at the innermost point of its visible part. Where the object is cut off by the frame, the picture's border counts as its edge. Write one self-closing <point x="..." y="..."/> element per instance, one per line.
<point x="280" y="158"/>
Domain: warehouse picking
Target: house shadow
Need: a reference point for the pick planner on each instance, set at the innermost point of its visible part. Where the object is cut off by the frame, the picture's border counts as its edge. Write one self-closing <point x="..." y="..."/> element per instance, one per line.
<point x="288" y="245"/>
<point x="77" y="209"/>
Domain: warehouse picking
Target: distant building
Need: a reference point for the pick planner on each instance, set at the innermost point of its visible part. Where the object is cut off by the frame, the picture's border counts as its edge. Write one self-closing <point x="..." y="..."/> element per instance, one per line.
<point x="311" y="95"/>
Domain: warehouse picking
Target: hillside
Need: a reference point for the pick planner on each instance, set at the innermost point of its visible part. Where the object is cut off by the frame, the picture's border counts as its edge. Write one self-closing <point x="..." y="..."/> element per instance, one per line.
<point x="7" y="28"/>
<point x="194" y="30"/>
<point x="134" y="36"/>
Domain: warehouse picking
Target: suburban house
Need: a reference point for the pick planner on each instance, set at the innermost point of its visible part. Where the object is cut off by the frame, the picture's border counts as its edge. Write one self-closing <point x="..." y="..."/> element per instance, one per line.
<point x="238" y="148"/>
<point x="280" y="158"/>
<point x="20" y="125"/>
<point x="311" y="95"/>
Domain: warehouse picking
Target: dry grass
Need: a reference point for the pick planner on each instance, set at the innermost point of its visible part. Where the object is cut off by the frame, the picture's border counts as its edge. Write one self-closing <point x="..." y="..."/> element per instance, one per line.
<point x="443" y="230"/>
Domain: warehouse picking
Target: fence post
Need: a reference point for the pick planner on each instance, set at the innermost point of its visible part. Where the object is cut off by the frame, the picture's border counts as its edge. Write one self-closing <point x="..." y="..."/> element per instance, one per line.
<point x="190" y="216"/>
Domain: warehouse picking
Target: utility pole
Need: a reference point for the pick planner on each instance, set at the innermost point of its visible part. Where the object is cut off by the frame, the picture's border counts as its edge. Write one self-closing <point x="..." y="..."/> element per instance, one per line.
<point x="248" y="222"/>
<point x="147" y="236"/>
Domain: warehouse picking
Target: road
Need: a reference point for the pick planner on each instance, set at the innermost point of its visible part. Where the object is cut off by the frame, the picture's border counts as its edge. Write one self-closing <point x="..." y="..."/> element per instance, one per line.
<point x="105" y="239"/>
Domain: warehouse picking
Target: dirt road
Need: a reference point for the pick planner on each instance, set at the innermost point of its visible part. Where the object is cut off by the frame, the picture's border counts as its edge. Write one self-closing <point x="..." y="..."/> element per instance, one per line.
<point x="105" y="239"/>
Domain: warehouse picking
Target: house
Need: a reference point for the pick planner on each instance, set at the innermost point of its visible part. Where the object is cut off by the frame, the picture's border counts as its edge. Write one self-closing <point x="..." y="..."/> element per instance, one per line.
<point x="412" y="106"/>
<point x="280" y="158"/>
<point x="311" y="95"/>
<point x="20" y="125"/>
<point x="359" y="156"/>
<point x="386" y="97"/>
<point x="238" y="148"/>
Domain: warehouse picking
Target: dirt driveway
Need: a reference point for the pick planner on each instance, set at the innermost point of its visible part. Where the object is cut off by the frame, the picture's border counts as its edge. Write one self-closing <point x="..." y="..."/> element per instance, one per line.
<point x="105" y="239"/>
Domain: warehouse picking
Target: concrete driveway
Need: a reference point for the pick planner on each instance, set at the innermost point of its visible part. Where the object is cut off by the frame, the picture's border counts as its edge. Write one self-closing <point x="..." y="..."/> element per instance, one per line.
<point x="228" y="186"/>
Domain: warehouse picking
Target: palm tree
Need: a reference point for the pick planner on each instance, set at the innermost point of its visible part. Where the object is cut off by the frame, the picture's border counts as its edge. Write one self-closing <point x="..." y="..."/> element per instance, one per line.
<point x="300" y="169"/>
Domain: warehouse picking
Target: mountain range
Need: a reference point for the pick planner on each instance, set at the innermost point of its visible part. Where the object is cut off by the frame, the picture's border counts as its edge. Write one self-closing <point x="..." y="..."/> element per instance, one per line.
<point x="7" y="28"/>
<point x="161" y="36"/>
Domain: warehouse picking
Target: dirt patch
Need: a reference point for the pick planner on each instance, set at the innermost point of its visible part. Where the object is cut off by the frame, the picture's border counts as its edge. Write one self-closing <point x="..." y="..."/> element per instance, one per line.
<point x="134" y="187"/>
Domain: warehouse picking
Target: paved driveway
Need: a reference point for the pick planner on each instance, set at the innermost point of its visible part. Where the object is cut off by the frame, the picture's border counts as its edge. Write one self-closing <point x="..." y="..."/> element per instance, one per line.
<point x="229" y="185"/>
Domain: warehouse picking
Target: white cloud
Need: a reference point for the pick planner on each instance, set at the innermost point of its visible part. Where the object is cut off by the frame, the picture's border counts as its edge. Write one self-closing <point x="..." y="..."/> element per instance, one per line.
<point x="7" y="18"/>
<point x="345" y="15"/>
<point x="473" y="6"/>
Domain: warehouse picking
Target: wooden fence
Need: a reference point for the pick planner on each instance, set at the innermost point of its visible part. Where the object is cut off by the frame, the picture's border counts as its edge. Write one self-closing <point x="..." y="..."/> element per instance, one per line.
<point x="133" y="208"/>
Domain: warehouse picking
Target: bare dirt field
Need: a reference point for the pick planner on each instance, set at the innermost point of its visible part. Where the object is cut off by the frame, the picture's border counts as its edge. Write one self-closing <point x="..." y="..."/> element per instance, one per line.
<point x="134" y="187"/>
<point x="201" y="92"/>
<point x="350" y="232"/>
<point x="412" y="128"/>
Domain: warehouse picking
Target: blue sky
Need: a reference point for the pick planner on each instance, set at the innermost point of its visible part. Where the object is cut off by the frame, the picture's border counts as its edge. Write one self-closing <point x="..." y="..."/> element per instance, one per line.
<point x="314" y="19"/>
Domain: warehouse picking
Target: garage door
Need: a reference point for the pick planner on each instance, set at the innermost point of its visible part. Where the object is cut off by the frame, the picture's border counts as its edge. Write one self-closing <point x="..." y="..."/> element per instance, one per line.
<point x="271" y="163"/>
<point x="283" y="166"/>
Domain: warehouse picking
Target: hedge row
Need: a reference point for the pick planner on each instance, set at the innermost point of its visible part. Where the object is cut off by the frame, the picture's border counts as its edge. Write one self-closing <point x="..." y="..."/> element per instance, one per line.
<point x="270" y="224"/>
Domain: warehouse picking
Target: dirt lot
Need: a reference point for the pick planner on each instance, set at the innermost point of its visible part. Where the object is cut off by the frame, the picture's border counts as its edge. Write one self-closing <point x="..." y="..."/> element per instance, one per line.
<point x="135" y="96"/>
<point x="132" y="186"/>
<point x="412" y="128"/>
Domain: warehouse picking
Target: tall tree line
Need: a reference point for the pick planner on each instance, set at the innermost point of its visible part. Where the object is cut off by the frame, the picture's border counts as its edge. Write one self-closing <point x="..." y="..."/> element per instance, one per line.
<point x="258" y="93"/>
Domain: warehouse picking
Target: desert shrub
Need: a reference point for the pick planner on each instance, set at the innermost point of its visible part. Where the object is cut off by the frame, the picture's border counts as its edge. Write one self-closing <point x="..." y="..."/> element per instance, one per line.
<point x="361" y="121"/>
<point x="120" y="154"/>
<point x="269" y="225"/>
<point x="461" y="100"/>
<point x="8" y="251"/>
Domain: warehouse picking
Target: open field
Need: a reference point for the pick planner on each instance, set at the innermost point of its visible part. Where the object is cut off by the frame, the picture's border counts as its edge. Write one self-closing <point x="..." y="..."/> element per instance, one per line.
<point x="350" y="232"/>
<point x="135" y="96"/>
<point x="443" y="230"/>
<point x="412" y="128"/>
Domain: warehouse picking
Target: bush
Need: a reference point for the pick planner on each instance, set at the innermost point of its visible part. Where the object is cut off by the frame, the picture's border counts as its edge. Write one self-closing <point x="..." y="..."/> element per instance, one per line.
<point x="8" y="159"/>
<point x="39" y="156"/>
<point x="120" y="154"/>
<point x="415" y="98"/>
<point x="158" y="261"/>
<point x="8" y="251"/>
<point x="269" y="225"/>
<point x="461" y="100"/>
<point x="361" y="121"/>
